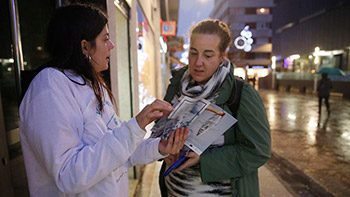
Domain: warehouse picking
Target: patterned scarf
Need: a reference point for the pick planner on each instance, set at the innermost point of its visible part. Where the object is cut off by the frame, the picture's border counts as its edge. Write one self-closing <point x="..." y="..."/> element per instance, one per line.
<point x="209" y="90"/>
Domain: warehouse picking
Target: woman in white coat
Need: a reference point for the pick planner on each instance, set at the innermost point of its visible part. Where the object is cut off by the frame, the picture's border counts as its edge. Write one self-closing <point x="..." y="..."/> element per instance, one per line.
<point x="73" y="142"/>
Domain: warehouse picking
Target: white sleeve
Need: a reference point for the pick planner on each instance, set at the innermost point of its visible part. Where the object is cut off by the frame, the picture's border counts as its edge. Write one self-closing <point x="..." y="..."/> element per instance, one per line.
<point x="146" y="152"/>
<point x="52" y="123"/>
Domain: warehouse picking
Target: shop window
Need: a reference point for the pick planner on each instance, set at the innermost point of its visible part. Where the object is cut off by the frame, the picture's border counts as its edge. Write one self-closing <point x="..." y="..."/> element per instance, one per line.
<point x="263" y="11"/>
<point x="263" y="26"/>
<point x="146" y="60"/>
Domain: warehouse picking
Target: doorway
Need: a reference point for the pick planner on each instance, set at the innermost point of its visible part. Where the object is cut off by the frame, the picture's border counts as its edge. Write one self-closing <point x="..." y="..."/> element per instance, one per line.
<point x="22" y="35"/>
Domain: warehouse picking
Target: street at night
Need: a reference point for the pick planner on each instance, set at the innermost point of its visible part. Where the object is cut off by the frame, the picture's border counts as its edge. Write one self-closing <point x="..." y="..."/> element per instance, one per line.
<point x="319" y="146"/>
<point x="84" y="83"/>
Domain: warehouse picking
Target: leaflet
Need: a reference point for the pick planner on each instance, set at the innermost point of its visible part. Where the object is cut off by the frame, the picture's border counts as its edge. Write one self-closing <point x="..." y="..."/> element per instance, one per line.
<point x="206" y="121"/>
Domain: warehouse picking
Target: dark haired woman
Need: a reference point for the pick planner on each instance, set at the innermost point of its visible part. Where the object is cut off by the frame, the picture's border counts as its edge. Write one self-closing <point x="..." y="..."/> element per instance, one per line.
<point x="229" y="167"/>
<point x="72" y="140"/>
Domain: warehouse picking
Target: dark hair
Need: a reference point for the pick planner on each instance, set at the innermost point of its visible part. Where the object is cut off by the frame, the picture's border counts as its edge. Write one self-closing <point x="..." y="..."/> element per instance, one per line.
<point x="68" y="27"/>
<point x="214" y="26"/>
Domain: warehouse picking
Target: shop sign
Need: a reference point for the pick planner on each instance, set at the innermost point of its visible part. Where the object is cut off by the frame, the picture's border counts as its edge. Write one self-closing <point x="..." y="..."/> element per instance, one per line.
<point x="168" y="28"/>
<point x="175" y="44"/>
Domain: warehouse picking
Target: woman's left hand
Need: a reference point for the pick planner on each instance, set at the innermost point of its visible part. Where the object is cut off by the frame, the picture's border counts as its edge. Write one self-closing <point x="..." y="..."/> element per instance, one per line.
<point x="175" y="142"/>
<point x="193" y="159"/>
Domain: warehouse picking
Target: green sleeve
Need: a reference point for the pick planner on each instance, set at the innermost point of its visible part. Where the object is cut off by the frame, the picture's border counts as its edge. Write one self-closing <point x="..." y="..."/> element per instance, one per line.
<point x="252" y="146"/>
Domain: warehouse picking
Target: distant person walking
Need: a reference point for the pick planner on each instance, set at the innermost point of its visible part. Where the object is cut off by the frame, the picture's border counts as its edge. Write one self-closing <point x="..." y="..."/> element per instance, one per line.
<point x="324" y="87"/>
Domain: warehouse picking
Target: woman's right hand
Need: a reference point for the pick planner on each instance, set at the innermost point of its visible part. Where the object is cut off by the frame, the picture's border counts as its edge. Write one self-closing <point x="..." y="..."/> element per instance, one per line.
<point x="175" y="142"/>
<point x="152" y="112"/>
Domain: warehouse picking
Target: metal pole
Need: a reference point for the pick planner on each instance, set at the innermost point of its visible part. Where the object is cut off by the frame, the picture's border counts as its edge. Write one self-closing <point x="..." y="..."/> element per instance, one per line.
<point x="16" y="46"/>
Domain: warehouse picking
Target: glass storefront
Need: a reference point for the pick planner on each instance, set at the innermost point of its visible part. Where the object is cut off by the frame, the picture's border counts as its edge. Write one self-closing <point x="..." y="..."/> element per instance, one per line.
<point x="146" y="61"/>
<point x="25" y="37"/>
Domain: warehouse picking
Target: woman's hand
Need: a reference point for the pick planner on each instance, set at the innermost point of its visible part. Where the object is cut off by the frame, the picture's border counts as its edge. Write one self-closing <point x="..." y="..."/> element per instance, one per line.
<point x="169" y="160"/>
<point x="175" y="142"/>
<point x="152" y="112"/>
<point x="193" y="159"/>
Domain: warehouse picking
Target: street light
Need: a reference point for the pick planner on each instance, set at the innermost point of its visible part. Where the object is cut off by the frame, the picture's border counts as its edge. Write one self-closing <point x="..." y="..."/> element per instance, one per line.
<point x="273" y="67"/>
<point x="317" y="56"/>
<point x="316" y="62"/>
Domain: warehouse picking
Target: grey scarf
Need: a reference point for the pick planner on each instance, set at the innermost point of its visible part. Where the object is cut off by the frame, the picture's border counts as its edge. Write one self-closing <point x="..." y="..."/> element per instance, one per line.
<point x="209" y="90"/>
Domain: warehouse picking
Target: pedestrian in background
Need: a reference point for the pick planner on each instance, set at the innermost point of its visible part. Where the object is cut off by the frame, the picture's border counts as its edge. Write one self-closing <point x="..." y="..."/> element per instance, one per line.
<point x="229" y="167"/>
<point x="324" y="87"/>
<point x="73" y="142"/>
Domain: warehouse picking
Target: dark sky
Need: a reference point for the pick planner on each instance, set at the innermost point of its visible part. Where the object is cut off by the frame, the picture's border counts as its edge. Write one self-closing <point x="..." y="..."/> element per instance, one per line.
<point x="191" y="12"/>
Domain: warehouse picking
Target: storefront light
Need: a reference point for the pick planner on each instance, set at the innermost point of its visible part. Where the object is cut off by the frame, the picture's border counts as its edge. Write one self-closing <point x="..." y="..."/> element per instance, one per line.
<point x="240" y="72"/>
<point x="163" y="45"/>
<point x="294" y="57"/>
<point x="317" y="49"/>
<point x="273" y="64"/>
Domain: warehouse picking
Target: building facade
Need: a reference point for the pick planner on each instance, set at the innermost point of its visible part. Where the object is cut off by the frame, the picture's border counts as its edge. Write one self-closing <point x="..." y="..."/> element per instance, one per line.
<point x="311" y="24"/>
<point x="257" y="14"/>
<point x="314" y="34"/>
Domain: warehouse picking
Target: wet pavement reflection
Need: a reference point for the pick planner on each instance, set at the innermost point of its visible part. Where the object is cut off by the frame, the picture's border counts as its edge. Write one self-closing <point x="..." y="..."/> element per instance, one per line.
<point x="318" y="145"/>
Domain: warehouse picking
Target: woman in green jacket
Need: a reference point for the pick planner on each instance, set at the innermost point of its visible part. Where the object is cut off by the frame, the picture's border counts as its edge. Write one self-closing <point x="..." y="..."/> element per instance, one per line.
<point x="229" y="167"/>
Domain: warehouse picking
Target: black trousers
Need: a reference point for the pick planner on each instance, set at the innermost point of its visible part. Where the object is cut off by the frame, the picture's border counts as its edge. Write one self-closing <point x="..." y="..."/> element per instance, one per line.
<point x="320" y="103"/>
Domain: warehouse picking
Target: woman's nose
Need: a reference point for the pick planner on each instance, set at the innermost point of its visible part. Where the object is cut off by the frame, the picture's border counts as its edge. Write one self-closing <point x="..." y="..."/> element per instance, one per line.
<point x="199" y="61"/>
<point x="111" y="46"/>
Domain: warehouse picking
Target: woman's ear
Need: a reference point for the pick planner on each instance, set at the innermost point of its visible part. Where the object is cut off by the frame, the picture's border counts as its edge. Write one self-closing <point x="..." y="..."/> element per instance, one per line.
<point x="85" y="47"/>
<point x="222" y="57"/>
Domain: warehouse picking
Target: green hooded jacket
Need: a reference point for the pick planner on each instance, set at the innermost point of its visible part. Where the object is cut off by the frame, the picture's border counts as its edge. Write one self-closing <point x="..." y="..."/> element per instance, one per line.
<point x="247" y="145"/>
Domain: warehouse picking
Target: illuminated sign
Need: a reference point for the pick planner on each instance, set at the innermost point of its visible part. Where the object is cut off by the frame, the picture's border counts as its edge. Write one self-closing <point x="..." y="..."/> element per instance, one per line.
<point x="168" y="28"/>
<point x="244" y="41"/>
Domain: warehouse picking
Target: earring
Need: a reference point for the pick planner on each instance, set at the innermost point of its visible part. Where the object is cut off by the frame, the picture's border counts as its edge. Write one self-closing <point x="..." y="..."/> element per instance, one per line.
<point x="88" y="57"/>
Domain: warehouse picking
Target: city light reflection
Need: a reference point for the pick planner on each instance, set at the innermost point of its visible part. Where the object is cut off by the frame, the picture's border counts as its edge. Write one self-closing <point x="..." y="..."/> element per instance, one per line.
<point x="346" y="136"/>
<point x="272" y="113"/>
<point x="312" y="123"/>
<point x="292" y="116"/>
<point x="311" y="136"/>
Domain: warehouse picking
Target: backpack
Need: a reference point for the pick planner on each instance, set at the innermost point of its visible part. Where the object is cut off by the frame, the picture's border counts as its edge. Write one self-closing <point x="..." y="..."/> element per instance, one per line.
<point x="235" y="96"/>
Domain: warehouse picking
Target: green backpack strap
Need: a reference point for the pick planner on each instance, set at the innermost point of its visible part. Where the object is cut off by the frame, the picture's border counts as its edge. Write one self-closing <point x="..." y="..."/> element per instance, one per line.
<point x="235" y="96"/>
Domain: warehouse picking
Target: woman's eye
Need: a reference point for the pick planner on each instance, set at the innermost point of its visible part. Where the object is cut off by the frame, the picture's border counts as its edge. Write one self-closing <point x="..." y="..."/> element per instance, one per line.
<point x="207" y="56"/>
<point x="193" y="53"/>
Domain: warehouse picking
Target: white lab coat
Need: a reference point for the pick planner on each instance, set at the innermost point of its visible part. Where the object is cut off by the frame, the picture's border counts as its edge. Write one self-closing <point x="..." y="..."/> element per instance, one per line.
<point x="70" y="148"/>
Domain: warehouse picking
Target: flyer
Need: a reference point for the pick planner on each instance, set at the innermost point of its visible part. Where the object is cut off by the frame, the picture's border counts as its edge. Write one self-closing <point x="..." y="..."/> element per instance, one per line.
<point x="206" y="121"/>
